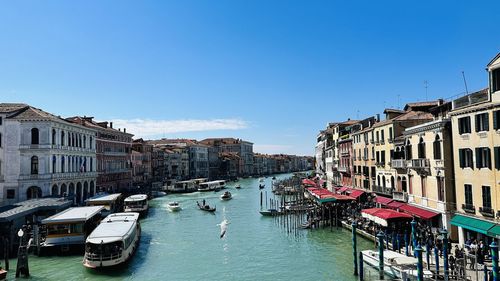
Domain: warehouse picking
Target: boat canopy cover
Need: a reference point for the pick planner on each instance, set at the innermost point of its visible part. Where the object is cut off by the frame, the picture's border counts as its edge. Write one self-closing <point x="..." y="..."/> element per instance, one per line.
<point x="136" y="197"/>
<point x="418" y="212"/>
<point x="114" y="227"/>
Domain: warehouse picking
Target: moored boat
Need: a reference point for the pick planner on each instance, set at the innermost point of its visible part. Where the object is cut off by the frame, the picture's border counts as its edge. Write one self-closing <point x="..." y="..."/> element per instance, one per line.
<point x="114" y="241"/>
<point x="156" y="193"/>
<point x="262" y="186"/>
<point x="226" y="196"/>
<point x="270" y="212"/>
<point x="395" y="264"/>
<point x="136" y="203"/>
<point x="212" y="185"/>
<point x="237" y="186"/>
<point x="174" y="206"/>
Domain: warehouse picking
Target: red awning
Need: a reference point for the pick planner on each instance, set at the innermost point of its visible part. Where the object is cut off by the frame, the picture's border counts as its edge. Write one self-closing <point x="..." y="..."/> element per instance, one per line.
<point x="356" y="193"/>
<point x="418" y="212"/>
<point x="342" y="189"/>
<point x="382" y="200"/>
<point x="382" y="216"/>
<point x="395" y="205"/>
<point x="308" y="182"/>
<point x="324" y="195"/>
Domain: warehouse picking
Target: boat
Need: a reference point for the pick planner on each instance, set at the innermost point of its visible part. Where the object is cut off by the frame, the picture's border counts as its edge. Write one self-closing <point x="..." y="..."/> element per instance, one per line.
<point x="261" y="186"/>
<point x="205" y="207"/>
<point x="114" y="241"/>
<point x="112" y="202"/>
<point x="3" y="274"/>
<point x="174" y="206"/>
<point x="237" y="186"/>
<point x="212" y="185"/>
<point x="226" y="196"/>
<point x="273" y="178"/>
<point x="395" y="264"/>
<point x="68" y="229"/>
<point x="270" y="212"/>
<point x="156" y="193"/>
<point x="136" y="203"/>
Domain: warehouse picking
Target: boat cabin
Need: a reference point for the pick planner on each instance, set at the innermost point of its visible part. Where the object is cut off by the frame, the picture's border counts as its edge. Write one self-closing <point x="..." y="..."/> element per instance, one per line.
<point x="112" y="202"/>
<point x="136" y="203"/>
<point x="212" y="185"/>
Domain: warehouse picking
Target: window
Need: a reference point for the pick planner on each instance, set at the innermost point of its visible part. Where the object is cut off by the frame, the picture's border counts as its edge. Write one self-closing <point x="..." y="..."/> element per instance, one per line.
<point x="54" y="163"/>
<point x="382" y="139"/>
<point x="482" y="123"/>
<point x="382" y="156"/>
<point x="62" y="138"/>
<point x="408" y="151"/>
<point x="391" y="154"/>
<point x="436" y="146"/>
<point x="390" y="134"/>
<point x="378" y="139"/>
<point x="53" y="136"/>
<point x="465" y="158"/>
<point x="0" y="139"/>
<point x="0" y="120"/>
<point x="486" y="196"/>
<point x="496" y="119"/>
<point x="497" y="157"/>
<point x="440" y="187"/>
<point x="11" y="193"/>
<point x="483" y="157"/>
<point x="34" y="165"/>
<point x="373" y="153"/>
<point x="35" y="136"/>
<point x="468" y="194"/>
<point x="62" y="164"/>
<point x="378" y="157"/>
<point x="495" y="80"/>
<point x="464" y="125"/>
<point x="422" y="184"/>
<point x="421" y="149"/>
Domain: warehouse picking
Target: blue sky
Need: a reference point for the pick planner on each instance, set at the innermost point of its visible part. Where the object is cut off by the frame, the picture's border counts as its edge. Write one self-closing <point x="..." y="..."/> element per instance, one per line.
<point x="271" y="72"/>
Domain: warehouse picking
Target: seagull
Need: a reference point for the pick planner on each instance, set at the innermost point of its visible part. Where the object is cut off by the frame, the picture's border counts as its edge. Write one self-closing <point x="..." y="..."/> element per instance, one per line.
<point x="223" y="227"/>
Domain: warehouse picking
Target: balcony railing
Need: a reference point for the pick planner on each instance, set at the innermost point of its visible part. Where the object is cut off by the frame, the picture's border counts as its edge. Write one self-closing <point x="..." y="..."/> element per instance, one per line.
<point x="398" y="163"/>
<point x="379" y="163"/>
<point x="469" y="208"/>
<point x="390" y="140"/>
<point x="487" y="212"/>
<point x="400" y="196"/>
<point x="343" y="169"/>
<point x="382" y="190"/>
<point x="419" y="163"/>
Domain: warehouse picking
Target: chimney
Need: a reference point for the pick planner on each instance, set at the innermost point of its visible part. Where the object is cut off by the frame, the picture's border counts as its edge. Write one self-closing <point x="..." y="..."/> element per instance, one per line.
<point x="124" y="130"/>
<point x="378" y="117"/>
<point x="111" y="125"/>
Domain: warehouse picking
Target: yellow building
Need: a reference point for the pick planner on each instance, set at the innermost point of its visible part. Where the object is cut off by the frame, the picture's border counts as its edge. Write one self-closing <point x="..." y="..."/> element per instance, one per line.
<point x="364" y="164"/>
<point x="476" y="145"/>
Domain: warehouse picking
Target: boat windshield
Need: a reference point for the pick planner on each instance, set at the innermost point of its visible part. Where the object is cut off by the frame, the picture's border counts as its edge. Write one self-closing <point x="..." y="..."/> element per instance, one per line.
<point x="135" y="203"/>
<point x="55" y="229"/>
<point x="109" y="249"/>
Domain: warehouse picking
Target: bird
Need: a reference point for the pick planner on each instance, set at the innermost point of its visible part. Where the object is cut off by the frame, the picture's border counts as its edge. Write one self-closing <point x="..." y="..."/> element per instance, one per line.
<point x="223" y="227"/>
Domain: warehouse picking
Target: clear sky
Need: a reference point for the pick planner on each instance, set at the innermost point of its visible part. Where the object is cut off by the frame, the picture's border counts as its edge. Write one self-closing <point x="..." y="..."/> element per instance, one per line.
<point x="271" y="72"/>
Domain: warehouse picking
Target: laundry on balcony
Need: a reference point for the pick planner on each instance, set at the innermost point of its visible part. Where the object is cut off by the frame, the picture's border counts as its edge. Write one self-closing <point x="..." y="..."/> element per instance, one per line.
<point x="418" y="212"/>
<point x="384" y="216"/>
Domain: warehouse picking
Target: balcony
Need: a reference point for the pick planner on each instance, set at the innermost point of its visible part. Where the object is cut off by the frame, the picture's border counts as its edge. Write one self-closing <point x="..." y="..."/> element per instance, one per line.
<point x="382" y="190"/>
<point x="343" y="170"/>
<point x="400" y="196"/>
<point x="469" y="208"/>
<point x="418" y="163"/>
<point x="398" y="163"/>
<point x="379" y="164"/>
<point x="391" y="140"/>
<point x="487" y="212"/>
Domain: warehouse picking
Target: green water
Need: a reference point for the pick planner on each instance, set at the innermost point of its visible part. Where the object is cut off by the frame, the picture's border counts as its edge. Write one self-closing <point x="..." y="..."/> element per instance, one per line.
<point x="186" y="246"/>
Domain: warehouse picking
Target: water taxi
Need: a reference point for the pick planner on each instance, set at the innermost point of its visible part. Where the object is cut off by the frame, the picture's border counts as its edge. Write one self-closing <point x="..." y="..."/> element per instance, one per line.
<point x="136" y="203"/>
<point x="112" y="202"/>
<point x="114" y="241"/>
<point x="395" y="264"/>
<point x="212" y="185"/>
<point x="69" y="228"/>
<point x="174" y="206"/>
<point x="226" y="196"/>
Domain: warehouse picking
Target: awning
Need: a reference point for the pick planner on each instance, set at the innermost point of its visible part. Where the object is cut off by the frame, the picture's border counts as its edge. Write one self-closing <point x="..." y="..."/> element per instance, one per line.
<point x="473" y="224"/>
<point x="324" y="195"/>
<point x="494" y="231"/>
<point x="382" y="200"/>
<point x="382" y="216"/>
<point x="395" y="205"/>
<point x="342" y="189"/>
<point x="418" y="212"/>
<point x="308" y="182"/>
<point x="356" y="193"/>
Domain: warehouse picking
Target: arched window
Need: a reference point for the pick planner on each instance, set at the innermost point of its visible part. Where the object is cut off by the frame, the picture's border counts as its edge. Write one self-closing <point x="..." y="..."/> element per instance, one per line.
<point x="84" y="142"/>
<point x="383" y="181"/>
<point x="403" y="184"/>
<point x="35" y="138"/>
<point x="53" y="137"/>
<point x="62" y="164"/>
<point x="408" y="150"/>
<point x="90" y="143"/>
<point x="54" y="164"/>
<point x="34" y="165"/>
<point x="437" y="148"/>
<point x="91" y="164"/>
<point x="62" y="138"/>
<point x="421" y="149"/>
<point x="378" y="180"/>
<point x="392" y="182"/>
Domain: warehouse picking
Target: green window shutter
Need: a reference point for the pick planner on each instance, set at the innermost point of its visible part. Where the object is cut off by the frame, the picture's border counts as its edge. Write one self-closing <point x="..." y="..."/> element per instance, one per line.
<point x="478" y="158"/>
<point x="461" y="158"/>
<point x="486" y="119"/>
<point x="497" y="157"/>
<point x="495" y="122"/>
<point x="477" y="122"/>
<point x="488" y="157"/>
<point x="467" y="124"/>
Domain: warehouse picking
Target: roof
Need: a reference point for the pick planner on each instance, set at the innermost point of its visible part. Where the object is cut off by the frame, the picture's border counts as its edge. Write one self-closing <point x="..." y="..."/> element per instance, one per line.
<point x="136" y="197"/>
<point x="412" y="105"/>
<point x="382" y="216"/>
<point x="113" y="228"/>
<point x="410" y="115"/>
<point x="493" y="60"/>
<point x="75" y="214"/>
<point x="418" y="212"/>
<point x="213" y="141"/>
<point x="184" y="142"/>
<point x="90" y="123"/>
<point x="27" y="207"/>
<point x="104" y="197"/>
<point x="11" y="107"/>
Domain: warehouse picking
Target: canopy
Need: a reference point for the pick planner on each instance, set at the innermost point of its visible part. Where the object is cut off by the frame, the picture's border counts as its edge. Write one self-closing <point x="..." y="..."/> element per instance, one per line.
<point x="418" y="212"/>
<point x="308" y="182"/>
<point x="395" y="205"/>
<point x="324" y="195"/>
<point x="473" y="224"/>
<point x="382" y="216"/>
<point x="355" y="193"/>
<point x="382" y="200"/>
<point x="342" y="189"/>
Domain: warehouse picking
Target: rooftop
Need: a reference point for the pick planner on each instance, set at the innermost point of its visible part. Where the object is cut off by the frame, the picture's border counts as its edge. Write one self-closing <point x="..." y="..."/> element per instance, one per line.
<point x="21" y="209"/>
<point x="75" y="214"/>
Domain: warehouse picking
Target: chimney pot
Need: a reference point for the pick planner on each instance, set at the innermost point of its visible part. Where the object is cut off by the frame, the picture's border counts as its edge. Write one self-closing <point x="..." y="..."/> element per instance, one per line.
<point x="111" y="125"/>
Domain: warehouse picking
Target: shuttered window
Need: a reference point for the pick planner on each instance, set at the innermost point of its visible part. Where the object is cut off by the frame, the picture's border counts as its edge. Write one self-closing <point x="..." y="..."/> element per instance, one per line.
<point x="482" y="123"/>
<point x="496" y="119"/>
<point x="465" y="158"/>
<point x="464" y="125"/>
<point x="497" y="157"/>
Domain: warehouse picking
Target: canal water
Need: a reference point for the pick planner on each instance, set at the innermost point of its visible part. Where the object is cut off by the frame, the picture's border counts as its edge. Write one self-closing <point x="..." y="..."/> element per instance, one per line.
<point x="186" y="246"/>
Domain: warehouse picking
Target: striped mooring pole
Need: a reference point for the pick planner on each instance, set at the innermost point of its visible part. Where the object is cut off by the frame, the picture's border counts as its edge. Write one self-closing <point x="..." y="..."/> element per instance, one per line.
<point x="354" y="247"/>
<point x="420" y="266"/>
<point x="380" y="237"/>
<point x="494" y="260"/>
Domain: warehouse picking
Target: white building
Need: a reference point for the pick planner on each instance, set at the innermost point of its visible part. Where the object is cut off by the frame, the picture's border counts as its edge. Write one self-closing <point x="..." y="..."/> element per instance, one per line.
<point x="44" y="155"/>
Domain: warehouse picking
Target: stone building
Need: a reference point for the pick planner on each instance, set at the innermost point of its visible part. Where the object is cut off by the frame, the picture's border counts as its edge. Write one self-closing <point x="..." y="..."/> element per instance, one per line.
<point x="243" y="149"/>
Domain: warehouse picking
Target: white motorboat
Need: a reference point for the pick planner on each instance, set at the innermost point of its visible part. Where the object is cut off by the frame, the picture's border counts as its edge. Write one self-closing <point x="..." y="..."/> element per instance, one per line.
<point x="394" y="263"/>
<point x="226" y="196"/>
<point x="261" y="179"/>
<point x="212" y="185"/>
<point x="156" y="193"/>
<point x="114" y="241"/>
<point x="174" y="206"/>
<point x="136" y="203"/>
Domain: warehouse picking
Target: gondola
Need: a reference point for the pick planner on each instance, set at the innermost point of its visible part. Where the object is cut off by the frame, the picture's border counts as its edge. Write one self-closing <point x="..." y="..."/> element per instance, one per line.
<point x="261" y="186"/>
<point x="205" y="208"/>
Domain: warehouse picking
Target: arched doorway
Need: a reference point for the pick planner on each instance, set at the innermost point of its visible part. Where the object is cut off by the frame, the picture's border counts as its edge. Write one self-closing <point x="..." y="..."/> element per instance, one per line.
<point x="33" y="192"/>
<point x="64" y="190"/>
<point x="78" y="192"/>
<point x="92" y="189"/>
<point x="85" y="190"/>
<point x="71" y="192"/>
<point x="392" y="182"/>
<point x="55" y="190"/>
<point x="403" y="184"/>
